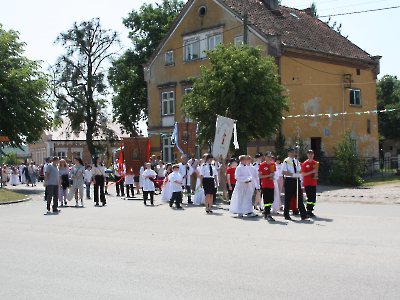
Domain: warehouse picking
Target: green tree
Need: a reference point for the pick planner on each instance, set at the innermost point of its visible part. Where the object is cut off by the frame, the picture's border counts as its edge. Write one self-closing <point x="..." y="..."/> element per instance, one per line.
<point x="79" y="78"/>
<point x="388" y="94"/>
<point x="148" y="26"/>
<point x="11" y="159"/>
<point x="280" y="145"/>
<point x="239" y="78"/>
<point x="350" y="167"/>
<point x="24" y="100"/>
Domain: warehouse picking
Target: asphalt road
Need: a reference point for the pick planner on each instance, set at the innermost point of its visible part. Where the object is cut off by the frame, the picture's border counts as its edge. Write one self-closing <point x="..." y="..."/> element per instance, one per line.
<point x="130" y="251"/>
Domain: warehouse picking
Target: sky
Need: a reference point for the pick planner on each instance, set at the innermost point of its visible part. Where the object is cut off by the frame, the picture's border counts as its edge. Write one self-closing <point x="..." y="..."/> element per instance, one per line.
<point x="39" y="23"/>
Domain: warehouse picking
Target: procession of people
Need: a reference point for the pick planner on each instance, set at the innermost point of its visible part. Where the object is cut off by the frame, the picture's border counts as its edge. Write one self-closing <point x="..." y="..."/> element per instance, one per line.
<point x="247" y="186"/>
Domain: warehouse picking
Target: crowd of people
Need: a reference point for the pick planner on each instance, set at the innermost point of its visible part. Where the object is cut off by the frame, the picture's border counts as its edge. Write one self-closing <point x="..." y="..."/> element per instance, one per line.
<point x="247" y="185"/>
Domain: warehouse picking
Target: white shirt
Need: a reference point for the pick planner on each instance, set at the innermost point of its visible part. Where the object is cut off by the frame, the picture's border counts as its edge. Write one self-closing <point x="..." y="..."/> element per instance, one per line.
<point x="161" y="170"/>
<point x="205" y="171"/>
<point x="88" y="175"/>
<point x="148" y="185"/>
<point x="175" y="187"/>
<point x="185" y="169"/>
<point x="254" y="174"/>
<point x="99" y="170"/>
<point x="289" y="167"/>
<point x="193" y="163"/>
<point x="129" y="179"/>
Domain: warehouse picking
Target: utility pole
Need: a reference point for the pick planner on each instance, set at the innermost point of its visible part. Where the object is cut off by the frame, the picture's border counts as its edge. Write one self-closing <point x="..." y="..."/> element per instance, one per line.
<point x="245" y="42"/>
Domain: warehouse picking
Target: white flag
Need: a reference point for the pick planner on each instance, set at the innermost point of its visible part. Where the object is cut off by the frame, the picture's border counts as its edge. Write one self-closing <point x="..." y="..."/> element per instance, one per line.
<point x="223" y="135"/>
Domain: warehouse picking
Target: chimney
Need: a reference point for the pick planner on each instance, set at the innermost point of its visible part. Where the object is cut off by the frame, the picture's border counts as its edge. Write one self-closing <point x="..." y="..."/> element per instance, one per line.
<point x="311" y="11"/>
<point x="273" y="4"/>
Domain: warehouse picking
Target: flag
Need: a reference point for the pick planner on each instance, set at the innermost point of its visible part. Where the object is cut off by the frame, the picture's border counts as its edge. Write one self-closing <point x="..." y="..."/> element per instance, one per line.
<point x="121" y="161"/>
<point x="223" y="135"/>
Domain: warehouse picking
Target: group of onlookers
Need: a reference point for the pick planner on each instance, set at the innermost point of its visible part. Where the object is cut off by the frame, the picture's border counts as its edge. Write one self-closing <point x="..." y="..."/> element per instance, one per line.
<point x="19" y="174"/>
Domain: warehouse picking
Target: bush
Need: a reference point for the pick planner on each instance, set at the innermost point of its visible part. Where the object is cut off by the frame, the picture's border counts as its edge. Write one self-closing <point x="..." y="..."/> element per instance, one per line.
<point x="350" y="167"/>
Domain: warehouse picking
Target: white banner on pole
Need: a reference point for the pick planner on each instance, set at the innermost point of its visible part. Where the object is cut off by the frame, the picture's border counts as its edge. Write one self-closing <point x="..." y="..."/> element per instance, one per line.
<point x="223" y="135"/>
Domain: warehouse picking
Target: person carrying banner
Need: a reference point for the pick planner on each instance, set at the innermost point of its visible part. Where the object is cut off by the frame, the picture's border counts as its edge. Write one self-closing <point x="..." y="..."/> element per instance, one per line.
<point x="310" y="182"/>
<point x="291" y="169"/>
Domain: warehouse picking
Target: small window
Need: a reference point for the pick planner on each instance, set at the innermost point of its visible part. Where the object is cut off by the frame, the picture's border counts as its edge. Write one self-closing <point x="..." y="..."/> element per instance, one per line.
<point x="238" y="39"/>
<point x="61" y="155"/>
<point x="202" y="11"/>
<point x="169" y="58"/>
<point x="192" y="50"/>
<point x="358" y="72"/>
<point x="168" y="151"/>
<point x="355" y="97"/>
<point x="213" y="41"/>
<point x="167" y="103"/>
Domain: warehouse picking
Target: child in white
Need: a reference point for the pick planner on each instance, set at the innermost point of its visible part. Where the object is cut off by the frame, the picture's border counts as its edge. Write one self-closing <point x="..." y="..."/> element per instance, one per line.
<point x="176" y="181"/>
<point x="148" y="185"/>
<point x="199" y="196"/>
<point x="129" y="182"/>
<point x="88" y="179"/>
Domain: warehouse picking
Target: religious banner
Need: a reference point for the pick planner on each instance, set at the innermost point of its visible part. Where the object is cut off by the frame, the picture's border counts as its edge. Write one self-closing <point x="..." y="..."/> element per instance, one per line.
<point x="185" y="138"/>
<point x="136" y="153"/>
<point x="223" y="135"/>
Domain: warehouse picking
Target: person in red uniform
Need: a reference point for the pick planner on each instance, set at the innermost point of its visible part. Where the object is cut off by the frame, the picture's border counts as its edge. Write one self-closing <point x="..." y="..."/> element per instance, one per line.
<point x="309" y="183"/>
<point x="267" y="184"/>
<point x="230" y="177"/>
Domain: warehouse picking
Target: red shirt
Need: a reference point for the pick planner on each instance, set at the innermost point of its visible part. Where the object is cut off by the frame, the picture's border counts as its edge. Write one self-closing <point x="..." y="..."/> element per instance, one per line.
<point x="265" y="169"/>
<point x="308" y="167"/>
<point x="231" y="171"/>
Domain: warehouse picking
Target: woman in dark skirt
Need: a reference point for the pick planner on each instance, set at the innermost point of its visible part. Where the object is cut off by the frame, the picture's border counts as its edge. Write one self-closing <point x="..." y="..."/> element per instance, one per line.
<point x="98" y="173"/>
<point x="208" y="175"/>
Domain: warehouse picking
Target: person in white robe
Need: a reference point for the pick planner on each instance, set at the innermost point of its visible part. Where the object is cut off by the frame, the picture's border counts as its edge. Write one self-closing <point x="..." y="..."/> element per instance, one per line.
<point x="166" y="191"/>
<point x="199" y="196"/>
<point x="278" y="185"/>
<point x="241" y="202"/>
<point x="141" y="179"/>
<point x="14" y="179"/>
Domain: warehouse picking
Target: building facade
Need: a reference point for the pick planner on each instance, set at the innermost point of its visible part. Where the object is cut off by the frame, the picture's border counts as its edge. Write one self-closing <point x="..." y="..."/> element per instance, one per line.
<point x="67" y="145"/>
<point x="330" y="81"/>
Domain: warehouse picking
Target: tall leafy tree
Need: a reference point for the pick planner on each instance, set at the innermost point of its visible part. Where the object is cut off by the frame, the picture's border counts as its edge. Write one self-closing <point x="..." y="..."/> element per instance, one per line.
<point x="147" y="27"/>
<point x="24" y="102"/>
<point x="79" y="84"/>
<point x="388" y="94"/>
<point x="241" y="80"/>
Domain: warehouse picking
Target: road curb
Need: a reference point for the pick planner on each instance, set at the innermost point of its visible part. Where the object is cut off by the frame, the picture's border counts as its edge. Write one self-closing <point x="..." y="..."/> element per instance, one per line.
<point x="13" y="202"/>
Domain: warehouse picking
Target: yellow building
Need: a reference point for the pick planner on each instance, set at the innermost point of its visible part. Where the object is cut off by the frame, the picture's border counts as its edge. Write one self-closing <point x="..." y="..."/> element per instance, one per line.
<point x="326" y="76"/>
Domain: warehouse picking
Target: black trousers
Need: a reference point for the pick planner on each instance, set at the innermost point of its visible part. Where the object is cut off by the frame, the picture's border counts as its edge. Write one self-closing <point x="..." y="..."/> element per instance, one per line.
<point x="188" y="191"/>
<point x="99" y="185"/>
<point x="129" y="186"/>
<point x="177" y="197"/>
<point x="52" y="193"/>
<point x="290" y="190"/>
<point x="311" y="192"/>
<point x="268" y="197"/>
<point x="229" y="191"/>
<point x="145" y="195"/>
<point x="119" y="186"/>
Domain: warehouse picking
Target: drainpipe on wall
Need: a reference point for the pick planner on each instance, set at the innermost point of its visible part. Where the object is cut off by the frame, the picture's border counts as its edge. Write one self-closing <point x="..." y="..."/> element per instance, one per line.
<point x="344" y="120"/>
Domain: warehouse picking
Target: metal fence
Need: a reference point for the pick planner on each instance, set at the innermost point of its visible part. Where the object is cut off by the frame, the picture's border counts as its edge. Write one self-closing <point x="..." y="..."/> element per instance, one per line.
<point x="373" y="167"/>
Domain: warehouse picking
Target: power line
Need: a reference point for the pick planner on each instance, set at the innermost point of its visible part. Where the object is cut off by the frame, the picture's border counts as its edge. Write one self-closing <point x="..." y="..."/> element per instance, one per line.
<point x="352" y="5"/>
<point x="359" y="12"/>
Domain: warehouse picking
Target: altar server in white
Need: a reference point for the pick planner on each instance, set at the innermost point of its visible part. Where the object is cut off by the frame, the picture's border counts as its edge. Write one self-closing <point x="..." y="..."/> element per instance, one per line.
<point x="241" y="202"/>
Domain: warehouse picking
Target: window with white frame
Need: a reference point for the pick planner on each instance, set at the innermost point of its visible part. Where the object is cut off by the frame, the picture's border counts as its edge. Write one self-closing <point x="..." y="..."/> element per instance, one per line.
<point x="168" y="151"/>
<point x="192" y="50"/>
<point x="61" y="154"/>
<point x="355" y="97"/>
<point x="185" y="117"/>
<point x="167" y="103"/>
<point x="238" y="39"/>
<point x="169" y="58"/>
<point x="213" y="41"/>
